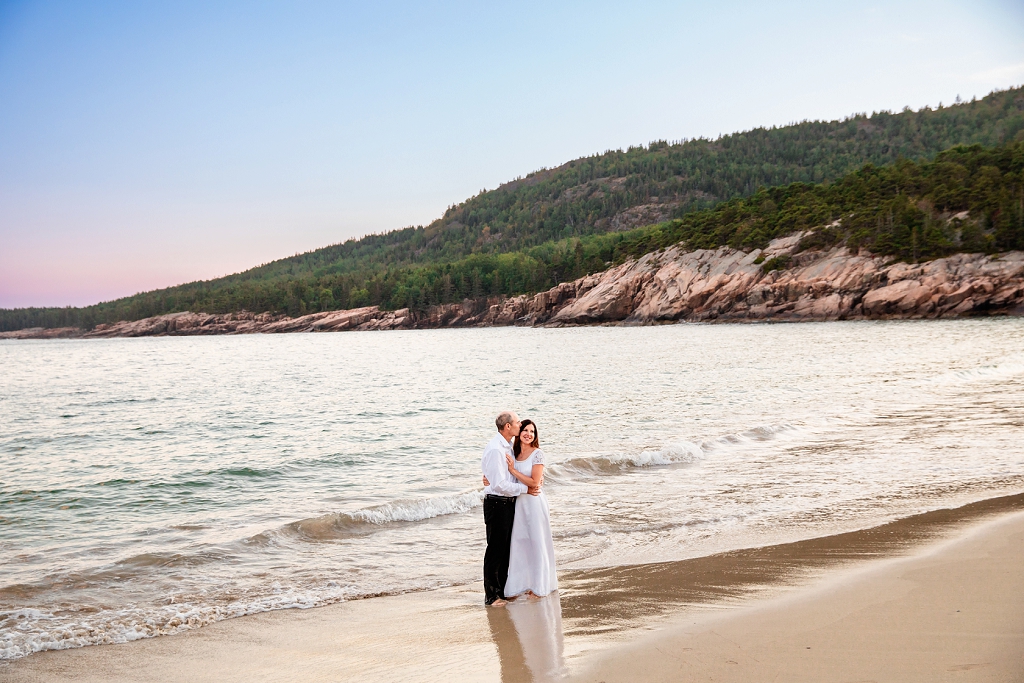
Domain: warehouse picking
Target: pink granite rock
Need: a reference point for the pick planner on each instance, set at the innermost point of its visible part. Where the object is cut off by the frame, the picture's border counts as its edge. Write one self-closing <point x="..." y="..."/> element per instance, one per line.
<point x="674" y="284"/>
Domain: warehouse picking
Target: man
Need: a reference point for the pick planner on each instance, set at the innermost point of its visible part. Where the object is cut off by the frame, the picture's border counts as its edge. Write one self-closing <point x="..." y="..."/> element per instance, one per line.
<point x="500" y="506"/>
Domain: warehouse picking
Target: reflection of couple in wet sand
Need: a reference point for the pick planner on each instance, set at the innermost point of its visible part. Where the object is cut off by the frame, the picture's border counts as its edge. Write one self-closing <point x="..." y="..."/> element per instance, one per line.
<point x="520" y="557"/>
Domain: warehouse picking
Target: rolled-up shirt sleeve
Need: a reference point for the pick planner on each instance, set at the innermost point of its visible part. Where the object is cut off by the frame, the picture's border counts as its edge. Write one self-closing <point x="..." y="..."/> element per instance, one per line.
<point x="502" y="483"/>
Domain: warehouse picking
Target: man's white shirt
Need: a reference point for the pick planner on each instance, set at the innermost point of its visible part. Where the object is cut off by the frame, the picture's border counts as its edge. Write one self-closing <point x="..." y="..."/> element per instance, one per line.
<point x="495" y="467"/>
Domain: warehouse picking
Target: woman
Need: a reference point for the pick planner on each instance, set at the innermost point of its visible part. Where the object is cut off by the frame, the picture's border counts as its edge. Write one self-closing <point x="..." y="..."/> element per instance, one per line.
<point x="531" y="568"/>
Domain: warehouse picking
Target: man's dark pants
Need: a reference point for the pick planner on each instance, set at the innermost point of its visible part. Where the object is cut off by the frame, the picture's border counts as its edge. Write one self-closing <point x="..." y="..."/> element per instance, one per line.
<point x="499" y="514"/>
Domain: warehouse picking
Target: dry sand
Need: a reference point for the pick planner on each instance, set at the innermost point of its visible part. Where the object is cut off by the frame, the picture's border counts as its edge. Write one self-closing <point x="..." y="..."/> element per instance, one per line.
<point x="935" y="597"/>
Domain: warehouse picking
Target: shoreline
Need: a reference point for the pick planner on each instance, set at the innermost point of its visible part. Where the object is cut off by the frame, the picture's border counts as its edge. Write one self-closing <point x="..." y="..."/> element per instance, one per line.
<point x="596" y="627"/>
<point x="232" y="324"/>
<point x="720" y="285"/>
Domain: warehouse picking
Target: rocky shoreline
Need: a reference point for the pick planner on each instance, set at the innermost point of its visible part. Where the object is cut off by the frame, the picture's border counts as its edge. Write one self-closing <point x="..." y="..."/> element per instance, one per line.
<point x="721" y="285"/>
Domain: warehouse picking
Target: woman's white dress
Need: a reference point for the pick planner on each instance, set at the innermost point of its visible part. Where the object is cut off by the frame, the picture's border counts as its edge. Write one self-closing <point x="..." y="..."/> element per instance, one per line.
<point x="532" y="555"/>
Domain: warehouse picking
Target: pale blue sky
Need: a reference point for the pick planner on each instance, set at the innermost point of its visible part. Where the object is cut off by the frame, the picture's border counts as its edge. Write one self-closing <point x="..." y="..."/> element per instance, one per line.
<point x="147" y="144"/>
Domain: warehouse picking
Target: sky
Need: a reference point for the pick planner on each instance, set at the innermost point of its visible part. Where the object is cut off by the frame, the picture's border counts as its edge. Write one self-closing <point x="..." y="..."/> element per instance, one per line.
<point x="144" y="145"/>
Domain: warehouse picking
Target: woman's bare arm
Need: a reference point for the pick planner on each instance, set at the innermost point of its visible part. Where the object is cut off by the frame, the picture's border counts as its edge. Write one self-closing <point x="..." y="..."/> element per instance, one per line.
<point x="537" y="473"/>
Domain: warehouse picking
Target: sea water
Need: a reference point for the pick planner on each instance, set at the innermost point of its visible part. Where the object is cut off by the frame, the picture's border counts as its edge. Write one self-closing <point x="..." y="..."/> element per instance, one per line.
<point x="153" y="485"/>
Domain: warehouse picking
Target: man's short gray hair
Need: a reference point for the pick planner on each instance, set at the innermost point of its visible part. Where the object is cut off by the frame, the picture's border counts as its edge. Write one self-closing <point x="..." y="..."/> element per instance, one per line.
<point x="505" y="417"/>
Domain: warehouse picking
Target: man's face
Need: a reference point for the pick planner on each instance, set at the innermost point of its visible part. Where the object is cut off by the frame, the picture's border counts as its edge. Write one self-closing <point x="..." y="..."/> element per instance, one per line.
<point x="515" y="425"/>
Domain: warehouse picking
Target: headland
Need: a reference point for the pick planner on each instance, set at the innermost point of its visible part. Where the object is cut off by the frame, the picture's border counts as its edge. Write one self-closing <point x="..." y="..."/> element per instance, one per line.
<point x="672" y="285"/>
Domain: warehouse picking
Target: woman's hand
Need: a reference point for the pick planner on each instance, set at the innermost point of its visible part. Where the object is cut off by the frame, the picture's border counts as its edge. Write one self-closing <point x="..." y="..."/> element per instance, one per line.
<point x="511" y="463"/>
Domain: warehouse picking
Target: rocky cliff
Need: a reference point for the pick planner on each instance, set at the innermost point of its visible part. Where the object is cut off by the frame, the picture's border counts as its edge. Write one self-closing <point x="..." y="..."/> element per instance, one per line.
<point x="698" y="286"/>
<point x="726" y="284"/>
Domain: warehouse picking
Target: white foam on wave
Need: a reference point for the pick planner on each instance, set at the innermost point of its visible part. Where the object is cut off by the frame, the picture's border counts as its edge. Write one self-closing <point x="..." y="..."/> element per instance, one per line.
<point x="367" y="520"/>
<point x="681" y="452"/>
<point x="749" y="437"/>
<point x="418" y="510"/>
<point x="26" y="631"/>
<point x="678" y="453"/>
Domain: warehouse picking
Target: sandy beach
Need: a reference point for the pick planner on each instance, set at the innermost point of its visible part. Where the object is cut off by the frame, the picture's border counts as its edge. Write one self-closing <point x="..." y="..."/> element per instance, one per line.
<point x="953" y="612"/>
<point x="935" y="597"/>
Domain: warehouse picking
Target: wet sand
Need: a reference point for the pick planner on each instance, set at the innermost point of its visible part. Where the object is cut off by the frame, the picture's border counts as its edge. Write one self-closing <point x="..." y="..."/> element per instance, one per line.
<point x="878" y="604"/>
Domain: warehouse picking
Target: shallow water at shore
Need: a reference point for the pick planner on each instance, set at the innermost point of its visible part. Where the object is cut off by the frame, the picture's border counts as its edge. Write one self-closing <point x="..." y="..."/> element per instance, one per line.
<point x="602" y="616"/>
<point x="152" y="485"/>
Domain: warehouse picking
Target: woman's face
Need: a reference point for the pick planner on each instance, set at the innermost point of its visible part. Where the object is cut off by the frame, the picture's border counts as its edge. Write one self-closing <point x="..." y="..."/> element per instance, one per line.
<point x="527" y="434"/>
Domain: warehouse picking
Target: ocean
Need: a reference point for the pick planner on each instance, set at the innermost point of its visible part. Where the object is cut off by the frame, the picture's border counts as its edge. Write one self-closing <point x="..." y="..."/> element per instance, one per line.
<point x="153" y="485"/>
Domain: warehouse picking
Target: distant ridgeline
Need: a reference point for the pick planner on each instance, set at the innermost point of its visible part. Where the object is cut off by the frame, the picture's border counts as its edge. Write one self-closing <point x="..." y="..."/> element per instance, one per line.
<point x="868" y="178"/>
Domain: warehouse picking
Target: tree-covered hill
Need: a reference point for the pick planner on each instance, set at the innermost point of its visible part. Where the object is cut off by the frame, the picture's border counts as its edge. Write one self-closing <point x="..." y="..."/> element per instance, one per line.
<point x="560" y="223"/>
<point x="968" y="199"/>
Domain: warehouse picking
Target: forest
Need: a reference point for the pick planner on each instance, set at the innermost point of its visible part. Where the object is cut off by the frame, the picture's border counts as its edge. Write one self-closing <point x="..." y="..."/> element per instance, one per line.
<point x="897" y="184"/>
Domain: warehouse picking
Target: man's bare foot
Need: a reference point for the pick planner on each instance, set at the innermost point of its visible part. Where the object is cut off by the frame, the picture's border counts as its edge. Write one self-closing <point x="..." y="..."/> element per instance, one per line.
<point x="498" y="603"/>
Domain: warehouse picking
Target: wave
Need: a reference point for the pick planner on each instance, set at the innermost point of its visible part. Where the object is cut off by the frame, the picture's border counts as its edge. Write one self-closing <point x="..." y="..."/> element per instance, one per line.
<point x="25" y="631"/>
<point x="679" y="453"/>
<point x="340" y="525"/>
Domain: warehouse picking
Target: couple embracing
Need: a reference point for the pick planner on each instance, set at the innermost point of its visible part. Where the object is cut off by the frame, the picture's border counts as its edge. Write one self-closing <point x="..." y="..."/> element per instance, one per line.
<point x="520" y="557"/>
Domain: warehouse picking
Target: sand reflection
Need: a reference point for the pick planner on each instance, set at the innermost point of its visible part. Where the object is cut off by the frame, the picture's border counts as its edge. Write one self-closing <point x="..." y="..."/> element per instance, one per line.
<point x="528" y="635"/>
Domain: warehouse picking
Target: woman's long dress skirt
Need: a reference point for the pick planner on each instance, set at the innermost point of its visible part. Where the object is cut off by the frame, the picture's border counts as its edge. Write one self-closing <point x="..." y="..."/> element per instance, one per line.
<point x="532" y="554"/>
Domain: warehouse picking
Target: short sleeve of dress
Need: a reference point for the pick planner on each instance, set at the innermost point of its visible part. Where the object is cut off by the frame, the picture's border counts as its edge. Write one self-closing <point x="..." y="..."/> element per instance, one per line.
<point x="538" y="457"/>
